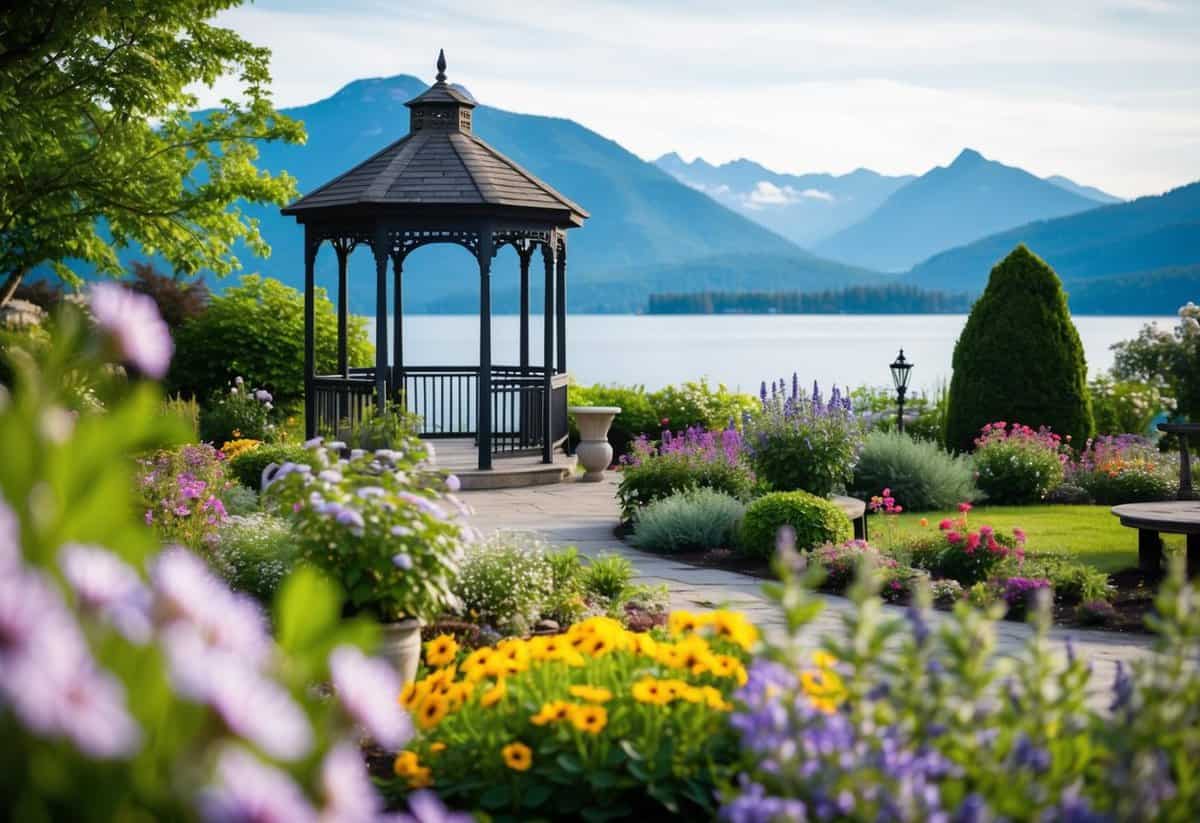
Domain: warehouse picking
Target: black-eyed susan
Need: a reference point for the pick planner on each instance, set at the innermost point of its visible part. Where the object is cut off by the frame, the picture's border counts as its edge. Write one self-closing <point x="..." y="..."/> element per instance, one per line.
<point x="649" y="690"/>
<point x="592" y="694"/>
<point x="552" y="712"/>
<point x="681" y="622"/>
<point x="517" y="756"/>
<point x="431" y="711"/>
<point x="440" y="651"/>
<point x="494" y="695"/>
<point x="413" y="693"/>
<point x="437" y="747"/>
<point x="715" y="700"/>
<point x="735" y="626"/>
<point x="406" y="764"/>
<point x="590" y="719"/>
<point x="422" y="778"/>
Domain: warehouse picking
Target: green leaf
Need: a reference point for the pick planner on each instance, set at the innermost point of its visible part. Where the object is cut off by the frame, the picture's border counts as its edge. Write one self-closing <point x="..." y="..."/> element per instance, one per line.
<point x="629" y="750"/>
<point x="569" y="763"/>
<point x="535" y="795"/>
<point x="307" y="606"/>
<point x="497" y="797"/>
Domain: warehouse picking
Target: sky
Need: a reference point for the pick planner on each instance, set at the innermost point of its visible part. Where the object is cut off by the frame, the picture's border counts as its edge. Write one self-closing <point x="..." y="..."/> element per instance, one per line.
<point x="1106" y="92"/>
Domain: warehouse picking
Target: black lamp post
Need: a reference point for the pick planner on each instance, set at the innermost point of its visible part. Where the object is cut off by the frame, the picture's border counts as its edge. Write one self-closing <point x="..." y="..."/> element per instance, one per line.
<point x="901" y="369"/>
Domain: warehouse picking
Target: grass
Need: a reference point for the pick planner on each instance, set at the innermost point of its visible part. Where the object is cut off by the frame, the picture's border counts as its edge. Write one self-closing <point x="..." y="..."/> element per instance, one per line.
<point x="1091" y="533"/>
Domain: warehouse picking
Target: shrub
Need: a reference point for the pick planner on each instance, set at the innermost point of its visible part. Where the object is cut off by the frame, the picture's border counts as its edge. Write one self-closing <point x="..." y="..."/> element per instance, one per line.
<point x="1015" y="464"/>
<point x="254" y="554"/>
<point x="896" y="583"/>
<point x="1168" y="359"/>
<point x="235" y="413"/>
<point x="1019" y="593"/>
<point x="178" y="300"/>
<point x="608" y="576"/>
<point x="1068" y="494"/>
<point x="565" y="604"/>
<point x="693" y="459"/>
<point x="919" y="472"/>
<point x="505" y="582"/>
<point x="801" y="443"/>
<point x="248" y="466"/>
<point x="1125" y="468"/>
<point x="961" y="553"/>
<point x="181" y="492"/>
<point x="813" y="520"/>
<point x="1126" y="405"/>
<point x="597" y="718"/>
<point x="380" y="430"/>
<point x="257" y="328"/>
<point x="1073" y="581"/>
<point x="693" y="520"/>
<point x="239" y="500"/>
<point x="637" y="415"/>
<point x="1019" y="357"/>
<point x="946" y="726"/>
<point x="840" y="562"/>
<point x="945" y="593"/>
<point x="378" y="525"/>
<point x="1095" y="613"/>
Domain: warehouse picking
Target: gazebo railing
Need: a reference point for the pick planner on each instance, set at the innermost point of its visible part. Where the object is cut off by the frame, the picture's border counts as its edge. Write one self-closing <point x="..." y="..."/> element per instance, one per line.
<point x="446" y="399"/>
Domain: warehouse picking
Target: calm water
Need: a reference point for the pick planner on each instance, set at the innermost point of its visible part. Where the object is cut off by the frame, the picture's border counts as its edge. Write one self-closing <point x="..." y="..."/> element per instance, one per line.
<point x="738" y="350"/>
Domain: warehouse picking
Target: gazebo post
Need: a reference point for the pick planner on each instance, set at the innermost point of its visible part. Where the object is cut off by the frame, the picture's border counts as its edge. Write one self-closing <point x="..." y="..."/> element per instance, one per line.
<point x="398" y="324"/>
<point x="343" y="357"/>
<point x="548" y="352"/>
<point x="561" y="296"/>
<point x="380" y="247"/>
<point x="526" y="255"/>
<point x="484" y="417"/>
<point x="310" y="347"/>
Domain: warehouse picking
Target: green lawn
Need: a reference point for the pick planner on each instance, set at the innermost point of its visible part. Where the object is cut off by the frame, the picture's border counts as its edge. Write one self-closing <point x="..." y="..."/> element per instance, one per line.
<point x="1090" y="532"/>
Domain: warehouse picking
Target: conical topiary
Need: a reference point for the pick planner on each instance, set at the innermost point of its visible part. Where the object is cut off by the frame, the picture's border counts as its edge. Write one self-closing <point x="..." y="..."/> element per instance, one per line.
<point x="1019" y="358"/>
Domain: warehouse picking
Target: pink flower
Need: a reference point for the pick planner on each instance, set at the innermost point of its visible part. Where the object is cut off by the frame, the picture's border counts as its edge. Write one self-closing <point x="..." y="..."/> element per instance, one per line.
<point x="965" y="507"/>
<point x="954" y="537"/>
<point x="133" y="322"/>
<point x="1019" y="535"/>
<point x="945" y="524"/>
<point x="887" y="492"/>
<point x="972" y="541"/>
<point x="898" y="509"/>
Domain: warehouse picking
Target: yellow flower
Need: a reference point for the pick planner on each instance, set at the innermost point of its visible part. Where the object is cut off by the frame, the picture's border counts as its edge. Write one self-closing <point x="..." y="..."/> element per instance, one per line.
<point x="592" y="694"/>
<point x="590" y="719"/>
<point x="649" y="690"/>
<point x="437" y="747"/>
<point x="824" y="689"/>
<point x="413" y="694"/>
<point x="493" y="695"/>
<point x="432" y="711"/>
<point x="715" y="700"/>
<point x="233" y="448"/>
<point x="440" y="651"/>
<point x="691" y="694"/>
<point x="736" y="627"/>
<point x="552" y="712"/>
<point x="683" y="622"/>
<point x="517" y="756"/>
<point x="514" y="654"/>
<point x="406" y="764"/>
<point x="644" y="644"/>
<point x="458" y="694"/>
<point x="823" y="659"/>
<point x="723" y="665"/>
<point x="422" y="778"/>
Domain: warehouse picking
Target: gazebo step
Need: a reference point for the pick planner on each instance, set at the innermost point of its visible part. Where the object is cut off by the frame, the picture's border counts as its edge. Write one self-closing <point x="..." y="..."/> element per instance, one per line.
<point x="461" y="456"/>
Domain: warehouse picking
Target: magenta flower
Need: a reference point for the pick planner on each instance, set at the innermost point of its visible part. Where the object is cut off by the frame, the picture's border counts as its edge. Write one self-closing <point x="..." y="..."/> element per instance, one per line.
<point x="367" y="689"/>
<point x="249" y="791"/>
<point x="133" y="322"/>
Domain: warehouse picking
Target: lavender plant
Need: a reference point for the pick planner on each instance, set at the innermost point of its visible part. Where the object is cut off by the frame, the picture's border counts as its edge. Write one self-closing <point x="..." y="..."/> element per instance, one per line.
<point x="801" y="442"/>
<point x="181" y="493"/>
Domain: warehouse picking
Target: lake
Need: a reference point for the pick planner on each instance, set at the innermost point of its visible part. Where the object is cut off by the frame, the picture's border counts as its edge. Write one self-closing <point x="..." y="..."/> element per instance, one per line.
<point x="739" y="350"/>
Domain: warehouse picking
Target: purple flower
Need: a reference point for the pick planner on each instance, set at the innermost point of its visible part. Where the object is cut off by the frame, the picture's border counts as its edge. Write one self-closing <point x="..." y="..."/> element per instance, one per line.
<point x="133" y="322"/>
<point x="368" y="690"/>
<point x="427" y="807"/>
<point x="249" y="791"/>
<point x="252" y="706"/>
<point x="262" y="396"/>
<point x="349" y="795"/>
<point x="453" y="484"/>
<point x="351" y="519"/>
<point x="402" y="561"/>
<point x="108" y="586"/>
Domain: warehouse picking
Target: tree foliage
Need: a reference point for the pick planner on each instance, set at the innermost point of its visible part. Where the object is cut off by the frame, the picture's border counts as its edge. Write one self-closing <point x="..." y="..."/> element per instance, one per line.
<point x="256" y="331"/>
<point x="1166" y="359"/>
<point x="1019" y="357"/>
<point x="99" y="147"/>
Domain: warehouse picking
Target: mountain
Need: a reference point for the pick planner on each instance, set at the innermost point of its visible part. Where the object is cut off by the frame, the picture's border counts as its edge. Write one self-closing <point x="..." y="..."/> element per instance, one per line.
<point x="641" y="216"/>
<point x="1134" y="240"/>
<point x="1090" y="192"/>
<point x="804" y="208"/>
<point x="1161" y="291"/>
<point x="628" y="289"/>
<point x="949" y="206"/>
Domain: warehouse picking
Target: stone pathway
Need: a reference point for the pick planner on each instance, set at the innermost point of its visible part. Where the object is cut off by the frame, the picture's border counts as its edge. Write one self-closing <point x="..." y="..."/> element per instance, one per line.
<point x="585" y="514"/>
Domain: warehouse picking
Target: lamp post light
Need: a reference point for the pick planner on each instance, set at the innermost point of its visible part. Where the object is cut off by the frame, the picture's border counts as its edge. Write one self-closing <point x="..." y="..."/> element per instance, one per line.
<point x="901" y="369"/>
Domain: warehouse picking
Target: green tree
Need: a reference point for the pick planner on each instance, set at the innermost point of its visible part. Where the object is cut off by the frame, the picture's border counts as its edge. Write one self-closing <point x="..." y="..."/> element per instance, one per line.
<point x="256" y="331"/>
<point x="1166" y="359"/>
<point x="1019" y="358"/>
<point x="99" y="146"/>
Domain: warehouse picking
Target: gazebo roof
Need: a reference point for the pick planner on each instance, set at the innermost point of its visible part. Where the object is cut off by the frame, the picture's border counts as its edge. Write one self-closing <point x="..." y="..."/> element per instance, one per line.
<point x="440" y="163"/>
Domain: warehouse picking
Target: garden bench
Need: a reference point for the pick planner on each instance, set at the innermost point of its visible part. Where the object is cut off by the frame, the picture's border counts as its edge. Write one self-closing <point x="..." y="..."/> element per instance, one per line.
<point x="1153" y="519"/>
<point x="1185" y="459"/>
<point x="856" y="510"/>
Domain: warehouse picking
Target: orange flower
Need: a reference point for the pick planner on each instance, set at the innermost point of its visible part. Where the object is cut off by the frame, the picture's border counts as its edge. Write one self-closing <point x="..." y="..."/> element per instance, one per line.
<point x="517" y="756"/>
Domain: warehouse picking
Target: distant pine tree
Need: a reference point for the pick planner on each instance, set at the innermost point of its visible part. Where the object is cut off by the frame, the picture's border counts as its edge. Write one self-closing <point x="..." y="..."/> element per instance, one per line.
<point x="1019" y="358"/>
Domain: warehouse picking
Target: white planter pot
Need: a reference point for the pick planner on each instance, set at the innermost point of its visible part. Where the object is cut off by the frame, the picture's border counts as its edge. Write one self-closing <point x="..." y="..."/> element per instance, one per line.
<point x="402" y="647"/>
<point x="594" y="451"/>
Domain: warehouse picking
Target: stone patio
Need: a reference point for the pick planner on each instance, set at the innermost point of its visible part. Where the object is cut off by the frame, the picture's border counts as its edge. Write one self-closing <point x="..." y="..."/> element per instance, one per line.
<point x="585" y="515"/>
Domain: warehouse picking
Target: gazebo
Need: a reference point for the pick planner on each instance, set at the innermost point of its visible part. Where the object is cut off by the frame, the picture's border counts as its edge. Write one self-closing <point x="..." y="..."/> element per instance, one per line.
<point x="442" y="184"/>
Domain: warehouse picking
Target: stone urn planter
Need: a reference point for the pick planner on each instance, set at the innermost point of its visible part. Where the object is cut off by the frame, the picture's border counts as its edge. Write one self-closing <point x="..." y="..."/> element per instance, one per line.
<point x="594" y="451"/>
<point x="401" y="646"/>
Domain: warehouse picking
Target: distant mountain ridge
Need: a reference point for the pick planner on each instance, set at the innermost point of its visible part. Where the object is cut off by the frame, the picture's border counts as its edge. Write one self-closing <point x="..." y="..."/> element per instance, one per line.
<point x="804" y="208"/>
<point x="1128" y="240"/>
<point x="950" y="206"/>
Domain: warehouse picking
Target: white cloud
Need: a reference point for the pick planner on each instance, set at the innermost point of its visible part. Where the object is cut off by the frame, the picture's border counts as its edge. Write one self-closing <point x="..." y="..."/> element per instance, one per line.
<point x="1105" y="93"/>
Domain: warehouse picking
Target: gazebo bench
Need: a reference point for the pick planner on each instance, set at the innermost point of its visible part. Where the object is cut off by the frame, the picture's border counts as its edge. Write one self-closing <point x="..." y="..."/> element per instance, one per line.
<point x="1152" y="520"/>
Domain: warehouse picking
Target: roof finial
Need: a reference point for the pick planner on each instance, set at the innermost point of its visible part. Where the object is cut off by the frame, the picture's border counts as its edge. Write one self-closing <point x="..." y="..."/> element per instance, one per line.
<point x="441" y="66"/>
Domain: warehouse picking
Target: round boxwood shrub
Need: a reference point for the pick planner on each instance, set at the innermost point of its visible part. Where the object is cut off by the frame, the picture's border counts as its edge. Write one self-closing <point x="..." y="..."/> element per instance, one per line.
<point x="248" y="466"/>
<point x="1019" y="357"/>
<point x="815" y="520"/>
